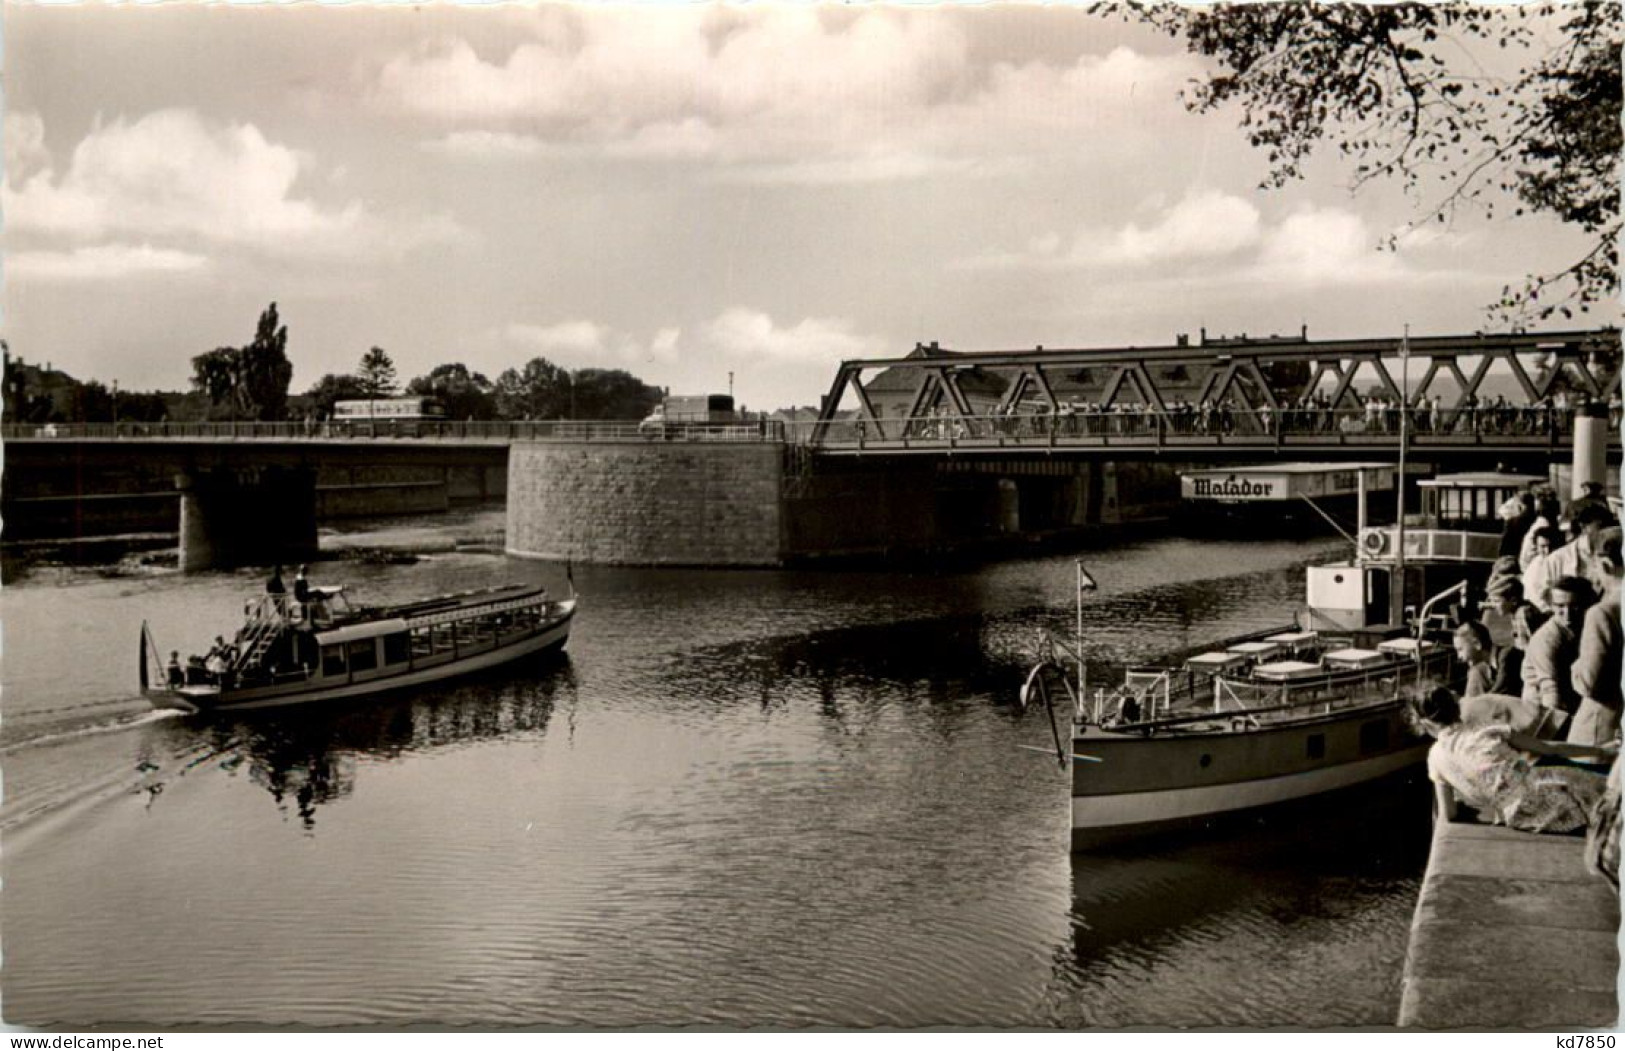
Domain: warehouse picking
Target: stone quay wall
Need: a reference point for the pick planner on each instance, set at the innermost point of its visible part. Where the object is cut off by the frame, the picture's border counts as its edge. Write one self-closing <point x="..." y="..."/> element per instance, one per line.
<point x="646" y="502"/>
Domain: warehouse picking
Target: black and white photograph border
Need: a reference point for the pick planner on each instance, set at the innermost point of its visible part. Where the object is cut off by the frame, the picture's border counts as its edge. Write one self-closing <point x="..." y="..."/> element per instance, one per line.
<point x="838" y="517"/>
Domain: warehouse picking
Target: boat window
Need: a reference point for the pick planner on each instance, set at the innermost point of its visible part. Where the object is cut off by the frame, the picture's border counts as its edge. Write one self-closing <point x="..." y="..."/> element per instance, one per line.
<point x="333" y="659"/>
<point x="397" y="648"/>
<point x="1373" y="736"/>
<point x="363" y="655"/>
<point x="422" y="642"/>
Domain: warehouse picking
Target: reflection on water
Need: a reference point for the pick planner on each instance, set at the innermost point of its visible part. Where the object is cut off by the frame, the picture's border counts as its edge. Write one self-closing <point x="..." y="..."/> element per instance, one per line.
<point x="768" y="798"/>
<point x="311" y="760"/>
<point x="1311" y="883"/>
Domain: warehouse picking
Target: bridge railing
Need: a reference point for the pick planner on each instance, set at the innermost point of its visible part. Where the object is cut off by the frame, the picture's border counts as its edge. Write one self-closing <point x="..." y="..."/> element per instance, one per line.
<point x="496" y="431"/>
<point x="1517" y="424"/>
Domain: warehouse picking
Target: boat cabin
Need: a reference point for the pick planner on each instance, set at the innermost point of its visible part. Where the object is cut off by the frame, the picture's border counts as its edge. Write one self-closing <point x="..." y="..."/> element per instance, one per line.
<point x="1396" y="569"/>
<point x="1469" y="501"/>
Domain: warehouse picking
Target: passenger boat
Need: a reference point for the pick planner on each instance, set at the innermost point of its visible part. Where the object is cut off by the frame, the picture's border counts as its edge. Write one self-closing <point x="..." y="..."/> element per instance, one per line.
<point x="328" y="649"/>
<point x="1309" y="707"/>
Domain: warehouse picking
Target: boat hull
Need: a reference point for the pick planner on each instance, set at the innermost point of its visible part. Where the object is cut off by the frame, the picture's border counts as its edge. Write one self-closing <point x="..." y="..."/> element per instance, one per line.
<point x="551" y="637"/>
<point x="1131" y="785"/>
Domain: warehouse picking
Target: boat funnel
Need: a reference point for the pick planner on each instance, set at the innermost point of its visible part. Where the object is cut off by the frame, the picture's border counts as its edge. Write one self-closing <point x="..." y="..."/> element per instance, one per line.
<point x="1590" y="448"/>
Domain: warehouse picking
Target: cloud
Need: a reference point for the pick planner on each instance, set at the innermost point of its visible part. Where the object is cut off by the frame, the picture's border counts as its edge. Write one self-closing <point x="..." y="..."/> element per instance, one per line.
<point x="873" y="95"/>
<point x="171" y="175"/>
<point x="739" y="332"/>
<point x="100" y="263"/>
<point x="772" y="363"/>
<point x="1308" y="247"/>
<point x="1204" y="225"/>
<point x="1314" y="246"/>
<point x="25" y="144"/>
<point x="569" y="337"/>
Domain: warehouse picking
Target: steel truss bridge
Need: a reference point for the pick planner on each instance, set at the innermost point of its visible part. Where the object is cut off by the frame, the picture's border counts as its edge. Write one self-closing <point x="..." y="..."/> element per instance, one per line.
<point x="1512" y="392"/>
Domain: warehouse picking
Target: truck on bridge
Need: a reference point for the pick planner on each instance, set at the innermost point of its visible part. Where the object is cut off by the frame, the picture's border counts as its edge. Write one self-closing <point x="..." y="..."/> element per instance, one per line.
<point x="678" y="410"/>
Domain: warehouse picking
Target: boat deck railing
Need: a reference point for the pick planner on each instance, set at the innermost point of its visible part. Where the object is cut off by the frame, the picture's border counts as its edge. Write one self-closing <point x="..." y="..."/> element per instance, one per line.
<point x="1185" y="699"/>
<point x="1305" y="707"/>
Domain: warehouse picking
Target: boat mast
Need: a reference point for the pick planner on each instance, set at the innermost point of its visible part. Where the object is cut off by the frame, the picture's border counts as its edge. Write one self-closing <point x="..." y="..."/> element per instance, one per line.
<point x="1085" y="583"/>
<point x="1396" y="588"/>
<point x="1077" y="641"/>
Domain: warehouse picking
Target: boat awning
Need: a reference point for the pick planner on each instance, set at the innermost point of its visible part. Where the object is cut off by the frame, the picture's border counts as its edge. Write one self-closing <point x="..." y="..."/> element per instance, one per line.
<point x="1215" y="662"/>
<point x="1408" y="647"/>
<point x="1287" y="671"/>
<point x="1295" y="639"/>
<point x="1256" y="650"/>
<point x="370" y="630"/>
<point x="1356" y="658"/>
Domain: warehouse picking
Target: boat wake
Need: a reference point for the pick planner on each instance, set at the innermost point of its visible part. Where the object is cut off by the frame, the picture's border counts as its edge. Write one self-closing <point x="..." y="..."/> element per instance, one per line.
<point x="20" y="738"/>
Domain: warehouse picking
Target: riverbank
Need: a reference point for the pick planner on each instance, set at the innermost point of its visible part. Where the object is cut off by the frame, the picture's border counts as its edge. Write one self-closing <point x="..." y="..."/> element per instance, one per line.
<point x="1511" y="932"/>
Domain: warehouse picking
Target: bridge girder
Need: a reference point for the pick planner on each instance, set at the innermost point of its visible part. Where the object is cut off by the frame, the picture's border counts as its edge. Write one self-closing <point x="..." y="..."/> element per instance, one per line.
<point x="1587" y="360"/>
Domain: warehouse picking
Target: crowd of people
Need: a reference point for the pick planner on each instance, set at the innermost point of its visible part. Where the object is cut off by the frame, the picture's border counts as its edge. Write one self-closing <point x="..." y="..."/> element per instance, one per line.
<point x="1312" y="414"/>
<point x="1529" y="740"/>
<point x="300" y="610"/>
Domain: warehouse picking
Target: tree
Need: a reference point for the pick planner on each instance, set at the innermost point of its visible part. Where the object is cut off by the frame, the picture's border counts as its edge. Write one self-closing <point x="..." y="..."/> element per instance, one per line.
<point x="611" y="394"/>
<point x="539" y="391"/>
<point x="330" y="389"/>
<point x="1392" y="88"/>
<point x="463" y="394"/>
<point x="376" y="374"/>
<point x="249" y="382"/>
<point x="90" y="403"/>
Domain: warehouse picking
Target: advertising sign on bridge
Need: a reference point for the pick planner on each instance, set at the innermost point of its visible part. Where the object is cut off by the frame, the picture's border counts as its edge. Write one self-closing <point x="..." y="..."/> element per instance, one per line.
<point x="1283" y="482"/>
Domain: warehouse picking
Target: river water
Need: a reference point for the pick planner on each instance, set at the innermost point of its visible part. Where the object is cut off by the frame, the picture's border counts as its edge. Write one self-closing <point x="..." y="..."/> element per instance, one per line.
<point x="741" y="798"/>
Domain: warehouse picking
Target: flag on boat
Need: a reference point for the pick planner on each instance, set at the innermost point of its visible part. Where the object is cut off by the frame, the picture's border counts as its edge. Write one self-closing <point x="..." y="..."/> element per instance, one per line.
<point x="1085" y="581"/>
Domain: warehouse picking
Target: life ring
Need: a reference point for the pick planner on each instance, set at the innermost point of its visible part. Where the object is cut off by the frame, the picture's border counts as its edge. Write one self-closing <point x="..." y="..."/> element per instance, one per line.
<point x="1374" y="542"/>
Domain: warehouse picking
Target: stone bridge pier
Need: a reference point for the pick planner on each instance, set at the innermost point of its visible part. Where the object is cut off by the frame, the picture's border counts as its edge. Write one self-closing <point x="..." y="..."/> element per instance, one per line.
<point x="241" y="516"/>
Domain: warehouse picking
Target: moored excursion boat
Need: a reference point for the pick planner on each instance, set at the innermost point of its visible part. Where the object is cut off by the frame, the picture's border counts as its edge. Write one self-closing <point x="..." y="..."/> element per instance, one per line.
<point x="327" y="649"/>
<point x="1280" y="715"/>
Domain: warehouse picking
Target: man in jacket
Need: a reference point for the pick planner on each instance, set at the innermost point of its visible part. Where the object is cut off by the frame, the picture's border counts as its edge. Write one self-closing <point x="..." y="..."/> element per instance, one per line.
<point x="1550" y="660"/>
<point x="1597" y="667"/>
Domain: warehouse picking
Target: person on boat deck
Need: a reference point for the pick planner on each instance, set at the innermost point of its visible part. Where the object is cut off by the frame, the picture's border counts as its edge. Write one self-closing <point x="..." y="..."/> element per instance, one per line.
<point x="1546" y="666"/>
<point x="277" y="590"/>
<point x="177" y="677"/>
<point x="1547" y="512"/>
<point x="1521" y="620"/>
<point x="301" y="586"/>
<point x="197" y="673"/>
<point x="1578" y="557"/>
<point x="1519" y="515"/>
<point x="1537" y="573"/>
<point x="1591" y="494"/>
<point x="1597" y="668"/>
<point x="216" y="661"/>
<point x="1493" y="769"/>
<point x="1472" y="641"/>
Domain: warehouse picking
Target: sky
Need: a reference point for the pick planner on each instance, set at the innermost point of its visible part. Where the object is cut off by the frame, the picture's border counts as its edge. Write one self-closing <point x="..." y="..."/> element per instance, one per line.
<point x="687" y="192"/>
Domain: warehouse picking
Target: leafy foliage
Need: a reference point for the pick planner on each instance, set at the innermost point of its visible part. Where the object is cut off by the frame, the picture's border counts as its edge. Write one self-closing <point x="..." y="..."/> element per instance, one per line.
<point x="1392" y="88"/>
<point x="333" y="388"/>
<point x="613" y="394"/>
<point x="538" y="391"/>
<point x="248" y="382"/>
<point x="542" y="390"/>
<point x="465" y="395"/>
